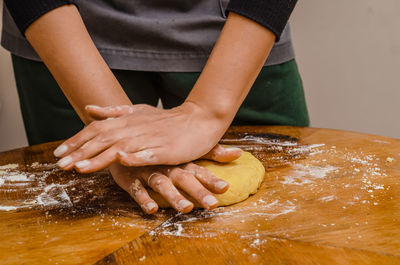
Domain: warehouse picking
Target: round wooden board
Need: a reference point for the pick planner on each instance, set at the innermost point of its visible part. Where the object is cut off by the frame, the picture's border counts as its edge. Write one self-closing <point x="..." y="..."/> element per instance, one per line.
<point x="329" y="197"/>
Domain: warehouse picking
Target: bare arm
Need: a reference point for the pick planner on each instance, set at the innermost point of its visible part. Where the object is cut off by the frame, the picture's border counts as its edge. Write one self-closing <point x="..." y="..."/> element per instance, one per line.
<point x="61" y="40"/>
<point x="235" y="62"/>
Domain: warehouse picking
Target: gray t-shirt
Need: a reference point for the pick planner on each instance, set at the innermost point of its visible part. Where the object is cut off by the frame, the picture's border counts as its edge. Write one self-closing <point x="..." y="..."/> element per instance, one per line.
<point x="150" y="35"/>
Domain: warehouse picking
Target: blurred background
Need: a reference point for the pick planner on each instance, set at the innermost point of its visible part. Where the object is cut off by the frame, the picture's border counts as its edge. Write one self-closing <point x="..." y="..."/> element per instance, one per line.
<point x="348" y="54"/>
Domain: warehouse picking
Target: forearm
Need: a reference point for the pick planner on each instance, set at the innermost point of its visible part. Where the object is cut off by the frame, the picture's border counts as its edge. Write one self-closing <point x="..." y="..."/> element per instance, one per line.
<point x="233" y="66"/>
<point x="61" y="40"/>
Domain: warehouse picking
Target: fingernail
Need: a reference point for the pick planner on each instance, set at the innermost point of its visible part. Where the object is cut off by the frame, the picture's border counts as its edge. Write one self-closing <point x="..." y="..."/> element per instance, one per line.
<point x="184" y="204"/>
<point x="82" y="164"/>
<point x="221" y="185"/>
<point x="92" y="106"/>
<point x="64" y="161"/>
<point x="210" y="200"/>
<point x="62" y="149"/>
<point x="150" y="206"/>
<point x="121" y="153"/>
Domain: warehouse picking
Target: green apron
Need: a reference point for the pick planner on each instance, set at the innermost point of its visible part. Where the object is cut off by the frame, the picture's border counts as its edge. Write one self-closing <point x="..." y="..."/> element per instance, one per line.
<point x="276" y="98"/>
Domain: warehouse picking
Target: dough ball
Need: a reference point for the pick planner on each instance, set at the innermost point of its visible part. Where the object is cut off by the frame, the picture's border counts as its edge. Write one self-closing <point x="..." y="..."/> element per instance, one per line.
<point x="244" y="176"/>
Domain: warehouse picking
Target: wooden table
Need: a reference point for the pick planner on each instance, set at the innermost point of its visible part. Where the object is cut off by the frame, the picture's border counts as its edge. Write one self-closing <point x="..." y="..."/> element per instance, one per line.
<point x="329" y="197"/>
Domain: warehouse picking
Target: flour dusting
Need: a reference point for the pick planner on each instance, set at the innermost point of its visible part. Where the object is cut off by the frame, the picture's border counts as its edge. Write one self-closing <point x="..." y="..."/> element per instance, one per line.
<point x="15" y="178"/>
<point x="37" y="192"/>
<point x="306" y="174"/>
<point x="9" y="166"/>
<point x="262" y="140"/>
<point x="8" y="208"/>
<point x="327" y="198"/>
<point x="54" y="194"/>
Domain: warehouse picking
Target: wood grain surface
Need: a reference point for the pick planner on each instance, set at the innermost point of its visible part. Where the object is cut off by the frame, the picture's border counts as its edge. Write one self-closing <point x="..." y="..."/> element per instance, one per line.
<point x="329" y="197"/>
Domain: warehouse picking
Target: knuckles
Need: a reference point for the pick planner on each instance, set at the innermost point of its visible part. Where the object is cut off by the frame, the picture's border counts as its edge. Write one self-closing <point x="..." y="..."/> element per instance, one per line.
<point x="97" y="126"/>
<point x="106" y="137"/>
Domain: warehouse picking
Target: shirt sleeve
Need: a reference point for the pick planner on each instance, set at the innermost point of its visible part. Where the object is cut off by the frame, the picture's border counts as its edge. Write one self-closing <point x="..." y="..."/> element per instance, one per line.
<point x="25" y="12"/>
<point x="272" y="14"/>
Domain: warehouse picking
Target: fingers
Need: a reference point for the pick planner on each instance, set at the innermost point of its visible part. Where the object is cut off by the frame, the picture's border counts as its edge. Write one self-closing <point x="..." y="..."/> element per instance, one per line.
<point x="98" y="162"/>
<point x="129" y="180"/>
<point x="163" y="185"/>
<point x="101" y="113"/>
<point x="186" y="181"/>
<point x="115" y="152"/>
<point x="223" y="154"/>
<point x="140" y="195"/>
<point x="208" y="179"/>
<point x="132" y="179"/>
<point x="89" y="132"/>
<point x="89" y="150"/>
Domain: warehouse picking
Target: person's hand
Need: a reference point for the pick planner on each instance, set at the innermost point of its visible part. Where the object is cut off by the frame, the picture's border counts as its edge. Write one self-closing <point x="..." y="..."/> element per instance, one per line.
<point x="143" y="135"/>
<point x="196" y="181"/>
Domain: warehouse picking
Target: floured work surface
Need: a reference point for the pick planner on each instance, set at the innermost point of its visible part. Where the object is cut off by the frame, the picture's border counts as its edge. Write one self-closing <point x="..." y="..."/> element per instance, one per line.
<point x="328" y="197"/>
<point x="48" y="216"/>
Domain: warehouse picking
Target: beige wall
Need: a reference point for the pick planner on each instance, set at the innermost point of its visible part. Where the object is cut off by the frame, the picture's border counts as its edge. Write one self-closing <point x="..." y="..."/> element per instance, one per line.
<point x="348" y="53"/>
<point x="12" y="134"/>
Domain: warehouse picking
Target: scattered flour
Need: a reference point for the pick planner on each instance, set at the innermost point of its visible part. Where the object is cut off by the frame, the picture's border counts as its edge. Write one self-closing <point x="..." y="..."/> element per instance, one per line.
<point x="283" y="209"/>
<point x="327" y="198"/>
<point x="16" y="177"/>
<point x="9" y="166"/>
<point x="261" y="140"/>
<point x="8" y="208"/>
<point x="54" y="194"/>
<point x="256" y="243"/>
<point x="288" y="180"/>
<point x="35" y="164"/>
<point x="169" y="228"/>
<point x="40" y="193"/>
<point x="306" y="174"/>
<point x="389" y="159"/>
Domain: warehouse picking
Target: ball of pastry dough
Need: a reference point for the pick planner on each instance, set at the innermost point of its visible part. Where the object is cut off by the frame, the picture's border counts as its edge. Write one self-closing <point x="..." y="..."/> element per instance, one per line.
<point x="244" y="176"/>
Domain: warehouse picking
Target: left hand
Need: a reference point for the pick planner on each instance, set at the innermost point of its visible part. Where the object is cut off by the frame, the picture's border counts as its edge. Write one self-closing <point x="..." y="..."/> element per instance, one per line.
<point x="196" y="181"/>
<point x="142" y="135"/>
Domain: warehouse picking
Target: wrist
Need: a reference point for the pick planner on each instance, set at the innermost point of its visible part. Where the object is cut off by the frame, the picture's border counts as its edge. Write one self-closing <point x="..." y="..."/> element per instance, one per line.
<point x="215" y="114"/>
<point x="209" y="124"/>
<point x="220" y="111"/>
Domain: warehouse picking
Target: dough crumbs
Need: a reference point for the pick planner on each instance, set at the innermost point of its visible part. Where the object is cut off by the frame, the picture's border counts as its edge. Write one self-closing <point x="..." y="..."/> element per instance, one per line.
<point x="389" y="159"/>
<point x="142" y="258"/>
